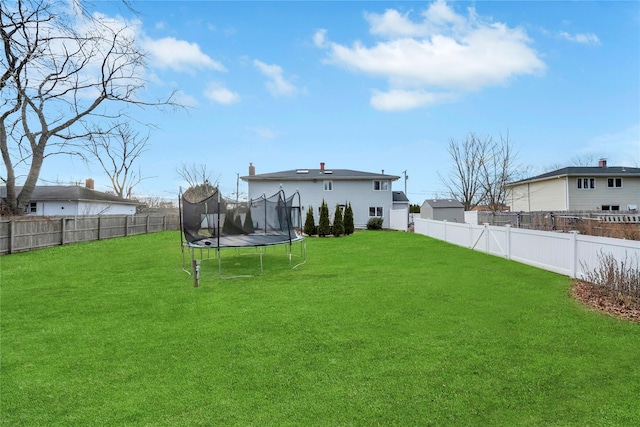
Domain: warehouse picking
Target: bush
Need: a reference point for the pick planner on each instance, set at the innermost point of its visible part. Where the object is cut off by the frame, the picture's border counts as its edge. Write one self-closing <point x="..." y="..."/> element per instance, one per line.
<point x="613" y="278"/>
<point x="348" y="220"/>
<point x="374" y="224"/>
<point x="227" y="225"/>
<point x="324" y="228"/>
<point x="338" y="225"/>
<point x="309" y="223"/>
<point x="248" y="222"/>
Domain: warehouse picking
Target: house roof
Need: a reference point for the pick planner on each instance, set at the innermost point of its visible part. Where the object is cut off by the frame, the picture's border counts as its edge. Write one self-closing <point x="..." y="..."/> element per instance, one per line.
<point x="444" y="203"/>
<point x="586" y="171"/>
<point x="73" y="193"/>
<point x="315" y="174"/>
<point x="399" y="196"/>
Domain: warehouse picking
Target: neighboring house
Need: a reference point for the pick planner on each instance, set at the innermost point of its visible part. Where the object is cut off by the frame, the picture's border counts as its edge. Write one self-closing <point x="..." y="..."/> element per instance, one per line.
<point x="370" y="194"/>
<point x="578" y="188"/>
<point x="74" y="200"/>
<point x="442" y="210"/>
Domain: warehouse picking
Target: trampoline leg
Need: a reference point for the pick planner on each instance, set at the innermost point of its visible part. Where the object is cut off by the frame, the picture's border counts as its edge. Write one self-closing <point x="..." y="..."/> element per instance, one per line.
<point x="261" y="261"/>
<point x="196" y="273"/>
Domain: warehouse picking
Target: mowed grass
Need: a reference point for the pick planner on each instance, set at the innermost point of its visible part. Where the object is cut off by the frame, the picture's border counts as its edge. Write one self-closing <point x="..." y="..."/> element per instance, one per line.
<point x="378" y="328"/>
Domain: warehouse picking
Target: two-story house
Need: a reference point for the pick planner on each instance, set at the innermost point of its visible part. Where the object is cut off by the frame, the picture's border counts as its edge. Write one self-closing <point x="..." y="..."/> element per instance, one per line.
<point x="578" y="188"/>
<point x="369" y="193"/>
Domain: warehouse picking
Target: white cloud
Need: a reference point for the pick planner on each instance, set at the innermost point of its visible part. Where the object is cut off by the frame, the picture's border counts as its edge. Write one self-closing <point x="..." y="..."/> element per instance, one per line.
<point x="441" y="52"/>
<point x="179" y="55"/>
<point x="277" y="85"/>
<point x="621" y="148"/>
<point x="398" y="100"/>
<point x="320" y="38"/>
<point x="264" y="132"/>
<point x="220" y="94"/>
<point x="585" y="38"/>
<point x="185" y="99"/>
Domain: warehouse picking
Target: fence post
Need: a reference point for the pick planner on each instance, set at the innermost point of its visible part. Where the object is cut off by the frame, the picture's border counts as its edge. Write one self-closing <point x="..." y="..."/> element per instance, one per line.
<point x="444" y="223"/>
<point x="486" y="237"/>
<point x="508" y="238"/>
<point x="147" y="226"/>
<point x="62" y="230"/>
<point x="126" y="225"/>
<point x="573" y="253"/>
<point x="470" y="245"/>
<point x="11" y="234"/>
<point x="99" y="227"/>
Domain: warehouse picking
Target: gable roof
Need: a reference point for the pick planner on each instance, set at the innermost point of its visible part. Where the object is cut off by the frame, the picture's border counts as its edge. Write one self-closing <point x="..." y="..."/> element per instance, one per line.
<point x="399" y="196"/>
<point x="74" y="193"/>
<point x="444" y="203"/>
<point x="586" y="171"/>
<point x="315" y="174"/>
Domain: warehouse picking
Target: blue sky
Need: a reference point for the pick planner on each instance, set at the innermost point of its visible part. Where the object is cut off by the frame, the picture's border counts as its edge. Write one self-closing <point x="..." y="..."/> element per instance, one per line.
<point x="379" y="85"/>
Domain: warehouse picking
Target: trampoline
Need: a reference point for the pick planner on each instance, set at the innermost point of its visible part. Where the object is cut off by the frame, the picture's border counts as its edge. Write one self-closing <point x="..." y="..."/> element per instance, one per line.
<point x="212" y="224"/>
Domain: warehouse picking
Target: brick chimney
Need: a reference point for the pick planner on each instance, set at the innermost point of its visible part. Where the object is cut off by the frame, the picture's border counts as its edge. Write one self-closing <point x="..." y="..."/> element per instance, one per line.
<point x="89" y="183"/>
<point x="602" y="163"/>
<point x="252" y="169"/>
<point x="321" y="166"/>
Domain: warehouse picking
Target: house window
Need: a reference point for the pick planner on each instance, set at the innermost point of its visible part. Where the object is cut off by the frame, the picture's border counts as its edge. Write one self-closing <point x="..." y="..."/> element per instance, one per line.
<point x="31" y="208"/>
<point x="586" y="183"/>
<point x="380" y="185"/>
<point x="328" y="186"/>
<point x="610" y="207"/>
<point x="614" y="182"/>
<point x="375" y="211"/>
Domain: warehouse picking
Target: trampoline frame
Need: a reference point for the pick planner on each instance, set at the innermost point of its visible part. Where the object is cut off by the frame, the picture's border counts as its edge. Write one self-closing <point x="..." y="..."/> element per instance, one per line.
<point x="257" y="240"/>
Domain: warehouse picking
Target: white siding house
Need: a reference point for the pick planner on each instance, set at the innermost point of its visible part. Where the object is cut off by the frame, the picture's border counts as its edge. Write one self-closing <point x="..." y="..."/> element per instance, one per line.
<point x="370" y="194"/>
<point x="74" y="200"/>
<point x="578" y="188"/>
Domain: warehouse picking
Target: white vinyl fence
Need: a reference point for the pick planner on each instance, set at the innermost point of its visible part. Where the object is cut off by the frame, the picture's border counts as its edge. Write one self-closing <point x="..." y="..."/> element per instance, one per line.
<point x="570" y="254"/>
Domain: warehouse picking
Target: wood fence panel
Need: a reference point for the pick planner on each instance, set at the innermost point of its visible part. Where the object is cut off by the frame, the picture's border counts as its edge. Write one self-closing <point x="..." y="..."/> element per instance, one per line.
<point x="20" y="234"/>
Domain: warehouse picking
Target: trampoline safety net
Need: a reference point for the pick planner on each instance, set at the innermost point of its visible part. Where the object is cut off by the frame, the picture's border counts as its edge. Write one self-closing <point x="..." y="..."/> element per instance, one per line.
<point x="213" y="222"/>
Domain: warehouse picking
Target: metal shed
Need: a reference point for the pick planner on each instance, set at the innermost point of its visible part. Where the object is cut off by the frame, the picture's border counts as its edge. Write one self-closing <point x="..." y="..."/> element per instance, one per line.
<point x="442" y="209"/>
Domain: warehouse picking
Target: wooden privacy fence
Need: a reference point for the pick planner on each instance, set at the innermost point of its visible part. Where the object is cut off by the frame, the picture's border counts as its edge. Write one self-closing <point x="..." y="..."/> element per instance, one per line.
<point x="20" y="234"/>
<point x="570" y="254"/>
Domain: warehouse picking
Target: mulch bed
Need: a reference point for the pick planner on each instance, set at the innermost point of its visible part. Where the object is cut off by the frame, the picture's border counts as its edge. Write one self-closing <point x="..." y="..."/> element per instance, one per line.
<point x="624" y="307"/>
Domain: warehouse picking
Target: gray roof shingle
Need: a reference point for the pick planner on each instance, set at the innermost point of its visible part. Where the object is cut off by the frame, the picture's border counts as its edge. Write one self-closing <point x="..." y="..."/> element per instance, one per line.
<point x="74" y="193"/>
<point x="311" y="174"/>
<point x="399" y="196"/>
<point x="444" y="203"/>
<point x="586" y="171"/>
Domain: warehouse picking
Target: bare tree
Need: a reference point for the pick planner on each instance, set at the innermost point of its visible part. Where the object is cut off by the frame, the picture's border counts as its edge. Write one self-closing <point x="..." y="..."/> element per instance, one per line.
<point x="198" y="180"/>
<point x="482" y="167"/>
<point x="577" y="160"/>
<point x="60" y="71"/>
<point x="117" y="151"/>
<point x="497" y="169"/>
<point x="195" y="175"/>
<point x="464" y="181"/>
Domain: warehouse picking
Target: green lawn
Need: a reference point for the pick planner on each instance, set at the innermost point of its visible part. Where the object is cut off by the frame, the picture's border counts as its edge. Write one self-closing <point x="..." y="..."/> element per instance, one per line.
<point x="378" y="328"/>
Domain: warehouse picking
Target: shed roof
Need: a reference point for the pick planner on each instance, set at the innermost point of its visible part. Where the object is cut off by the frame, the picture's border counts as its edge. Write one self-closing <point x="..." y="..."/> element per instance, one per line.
<point x="444" y="203"/>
